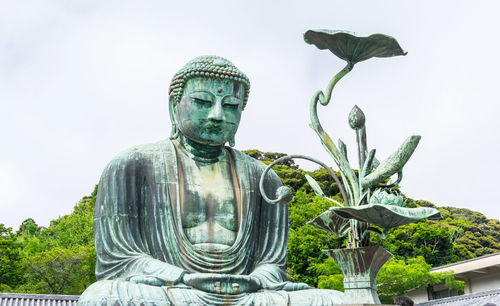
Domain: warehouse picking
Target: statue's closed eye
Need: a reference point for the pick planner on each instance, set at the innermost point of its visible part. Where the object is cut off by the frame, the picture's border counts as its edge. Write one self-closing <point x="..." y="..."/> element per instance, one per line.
<point x="231" y="106"/>
<point x="202" y="101"/>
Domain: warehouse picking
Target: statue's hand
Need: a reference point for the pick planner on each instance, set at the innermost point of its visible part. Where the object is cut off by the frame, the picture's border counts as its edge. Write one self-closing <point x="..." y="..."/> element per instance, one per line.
<point x="222" y="283"/>
<point x="147" y="280"/>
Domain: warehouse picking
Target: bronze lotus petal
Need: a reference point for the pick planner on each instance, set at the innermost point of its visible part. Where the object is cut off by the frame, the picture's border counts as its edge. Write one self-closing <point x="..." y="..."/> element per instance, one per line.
<point x="331" y="222"/>
<point x="387" y="216"/>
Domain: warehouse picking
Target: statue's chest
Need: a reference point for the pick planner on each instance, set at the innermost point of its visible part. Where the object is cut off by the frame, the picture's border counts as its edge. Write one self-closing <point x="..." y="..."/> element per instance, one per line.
<point x="208" y="203"/>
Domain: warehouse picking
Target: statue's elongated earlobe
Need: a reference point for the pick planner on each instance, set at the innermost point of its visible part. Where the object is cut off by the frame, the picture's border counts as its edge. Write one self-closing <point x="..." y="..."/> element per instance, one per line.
<point x="231" y="142"/>
<point x="174" y="134"/>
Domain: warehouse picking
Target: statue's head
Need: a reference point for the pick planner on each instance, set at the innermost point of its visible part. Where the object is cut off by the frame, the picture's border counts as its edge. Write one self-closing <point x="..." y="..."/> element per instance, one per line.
<point x="206" y="99"/>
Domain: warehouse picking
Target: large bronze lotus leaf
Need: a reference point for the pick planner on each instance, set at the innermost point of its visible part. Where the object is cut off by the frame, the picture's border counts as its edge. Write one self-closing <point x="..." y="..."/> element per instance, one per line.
<point x="331" y="222"/>
<point x="387" y="216"/>
<point x="353" y="48"/>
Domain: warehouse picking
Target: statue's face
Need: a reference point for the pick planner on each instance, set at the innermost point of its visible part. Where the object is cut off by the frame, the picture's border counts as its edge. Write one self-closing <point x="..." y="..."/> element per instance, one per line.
<point x="209" y="111"/>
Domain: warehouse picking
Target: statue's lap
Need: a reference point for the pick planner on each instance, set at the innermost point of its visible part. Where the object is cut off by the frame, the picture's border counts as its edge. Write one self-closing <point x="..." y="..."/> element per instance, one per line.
<point x="122" y="292"/>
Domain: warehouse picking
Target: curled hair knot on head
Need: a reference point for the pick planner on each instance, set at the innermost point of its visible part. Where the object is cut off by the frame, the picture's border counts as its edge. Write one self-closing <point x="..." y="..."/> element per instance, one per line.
<point x="209" y="66"/>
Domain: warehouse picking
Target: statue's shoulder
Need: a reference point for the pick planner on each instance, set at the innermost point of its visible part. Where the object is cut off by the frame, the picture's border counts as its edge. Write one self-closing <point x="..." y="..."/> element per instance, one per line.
<point x="143" y="153"/>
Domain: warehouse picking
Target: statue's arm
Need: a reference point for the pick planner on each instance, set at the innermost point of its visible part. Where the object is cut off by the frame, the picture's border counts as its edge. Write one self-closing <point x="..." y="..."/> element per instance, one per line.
<point x="121" y="246"/>
<point x="270" y="270"/>
<point x="273" y="237"/>
<point x="120" y="255"/>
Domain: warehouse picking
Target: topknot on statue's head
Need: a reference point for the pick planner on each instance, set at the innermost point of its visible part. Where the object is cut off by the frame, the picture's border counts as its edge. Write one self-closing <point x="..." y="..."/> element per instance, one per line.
<point x="209" y="66"/>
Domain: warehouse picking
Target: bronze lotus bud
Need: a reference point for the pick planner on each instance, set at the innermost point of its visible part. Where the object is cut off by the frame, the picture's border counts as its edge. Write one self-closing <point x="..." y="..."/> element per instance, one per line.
<point x="387" y="197"/>
<point x="356" y="118"/>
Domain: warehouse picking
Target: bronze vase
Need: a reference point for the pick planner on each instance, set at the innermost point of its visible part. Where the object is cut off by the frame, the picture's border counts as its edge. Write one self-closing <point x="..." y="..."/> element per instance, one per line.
<point x="360" y="267"/>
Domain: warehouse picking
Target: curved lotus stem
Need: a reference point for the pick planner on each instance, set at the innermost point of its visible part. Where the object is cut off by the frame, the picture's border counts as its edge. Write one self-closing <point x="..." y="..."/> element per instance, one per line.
<point x="327" y="142"/>
<point x="289" y="157"/>
<point x="325" y="98"/>
<point x="361" y="140"/>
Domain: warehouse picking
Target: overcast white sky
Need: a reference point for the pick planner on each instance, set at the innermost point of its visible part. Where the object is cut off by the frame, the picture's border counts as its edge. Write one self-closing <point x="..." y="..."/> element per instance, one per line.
<point x="81" y="81"/>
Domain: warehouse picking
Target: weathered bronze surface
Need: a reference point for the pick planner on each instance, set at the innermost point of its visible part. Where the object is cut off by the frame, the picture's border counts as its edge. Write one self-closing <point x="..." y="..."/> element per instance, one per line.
<point x="353" y="48"/>
<point x="362" y="205"/>
<point x="370" y="204"/>
<point x="360" y="267"/>
<point x="181" y="221"/>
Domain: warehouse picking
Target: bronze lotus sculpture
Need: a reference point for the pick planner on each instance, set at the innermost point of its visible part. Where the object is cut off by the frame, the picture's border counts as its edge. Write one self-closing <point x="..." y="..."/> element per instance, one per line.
<point x="182" y="222"/>
<point x="370" y="203"/>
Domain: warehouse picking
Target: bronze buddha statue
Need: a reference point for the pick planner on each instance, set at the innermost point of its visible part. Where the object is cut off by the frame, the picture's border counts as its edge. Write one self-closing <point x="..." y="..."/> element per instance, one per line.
<point x="181" y="221"/>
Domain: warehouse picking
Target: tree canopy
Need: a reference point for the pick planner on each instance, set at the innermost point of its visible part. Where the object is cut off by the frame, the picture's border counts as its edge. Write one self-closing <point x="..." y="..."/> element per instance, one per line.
<point x="60" y="259"/>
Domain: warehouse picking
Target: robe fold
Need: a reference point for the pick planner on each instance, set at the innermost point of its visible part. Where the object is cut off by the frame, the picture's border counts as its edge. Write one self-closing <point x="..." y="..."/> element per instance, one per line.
<point x="138" y="233"/>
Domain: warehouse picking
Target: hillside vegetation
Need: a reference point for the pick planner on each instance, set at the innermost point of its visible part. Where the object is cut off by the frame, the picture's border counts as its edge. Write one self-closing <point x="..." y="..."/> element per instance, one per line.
<point x="60" y="259"/>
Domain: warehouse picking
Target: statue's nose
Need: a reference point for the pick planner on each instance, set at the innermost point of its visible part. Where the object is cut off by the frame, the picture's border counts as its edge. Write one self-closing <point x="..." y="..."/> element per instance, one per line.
<point x="216" y="111"/>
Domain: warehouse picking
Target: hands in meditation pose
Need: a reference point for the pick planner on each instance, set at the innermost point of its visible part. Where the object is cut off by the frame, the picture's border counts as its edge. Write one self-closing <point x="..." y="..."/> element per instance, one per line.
<point x="181" y="221"/>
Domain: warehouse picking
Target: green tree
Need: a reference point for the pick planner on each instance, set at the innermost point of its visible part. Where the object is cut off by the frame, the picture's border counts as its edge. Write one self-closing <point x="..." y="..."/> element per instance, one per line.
<point x="304" y="252"/>
<point x="58" y="271"/>
<point x="59" y="258"/>
<point x="74" y="229"/>
<point x="475" y="235"/>
<point x="398" y="277"/>
<point x="11" y="272"/>
<point x="29" y="228"/>
<point x="269" y="157"/>
<point x="420" y="239"/>
<point x="330" y="275"/>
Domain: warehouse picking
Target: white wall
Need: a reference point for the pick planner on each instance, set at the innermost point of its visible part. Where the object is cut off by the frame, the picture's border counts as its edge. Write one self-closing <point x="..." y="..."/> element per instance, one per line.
<point x="487" y="282"/>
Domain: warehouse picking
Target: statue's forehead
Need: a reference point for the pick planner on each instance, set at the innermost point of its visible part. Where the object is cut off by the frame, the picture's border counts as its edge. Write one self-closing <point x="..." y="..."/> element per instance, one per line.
<point x="214" y="85"/>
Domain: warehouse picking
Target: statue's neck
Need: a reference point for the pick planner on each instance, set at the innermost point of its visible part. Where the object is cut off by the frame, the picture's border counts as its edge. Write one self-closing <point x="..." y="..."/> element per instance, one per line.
<point x="201" y="152"/>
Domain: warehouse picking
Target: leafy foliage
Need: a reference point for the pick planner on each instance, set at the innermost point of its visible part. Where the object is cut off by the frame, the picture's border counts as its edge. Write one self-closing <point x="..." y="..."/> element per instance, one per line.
<point x="397" y="277"/>
<point x="426" y="239"/>
<point x="59" y="270"/>
<point x="11" y="272"/>
<point x="61" y="257"/>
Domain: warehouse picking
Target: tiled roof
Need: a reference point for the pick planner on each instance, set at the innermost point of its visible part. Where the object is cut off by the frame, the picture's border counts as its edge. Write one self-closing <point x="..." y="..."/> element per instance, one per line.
<point x="474" y="299"/>
<point x="24" y="299"/>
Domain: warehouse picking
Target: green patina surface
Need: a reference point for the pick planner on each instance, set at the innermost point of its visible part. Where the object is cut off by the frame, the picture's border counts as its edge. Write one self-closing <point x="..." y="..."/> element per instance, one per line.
<point x="181" y="221"/>
<point x="363" y="205"/>
<point x="370" y="204"/>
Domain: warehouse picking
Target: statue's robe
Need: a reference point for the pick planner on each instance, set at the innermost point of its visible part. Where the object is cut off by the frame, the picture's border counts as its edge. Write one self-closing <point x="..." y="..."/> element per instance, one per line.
<point x="138" y="232"/>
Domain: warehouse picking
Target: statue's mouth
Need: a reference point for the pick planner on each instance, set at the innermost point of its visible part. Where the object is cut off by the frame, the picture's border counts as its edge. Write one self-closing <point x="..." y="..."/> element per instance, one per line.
<point x="214" y="127"/>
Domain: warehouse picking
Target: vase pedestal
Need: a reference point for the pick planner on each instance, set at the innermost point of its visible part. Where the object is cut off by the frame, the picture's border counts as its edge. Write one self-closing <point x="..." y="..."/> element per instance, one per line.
<point x="360" y="267"/>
